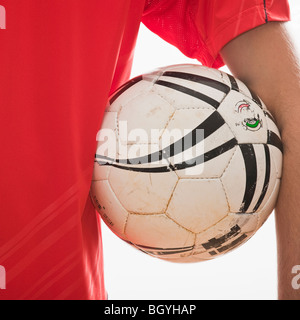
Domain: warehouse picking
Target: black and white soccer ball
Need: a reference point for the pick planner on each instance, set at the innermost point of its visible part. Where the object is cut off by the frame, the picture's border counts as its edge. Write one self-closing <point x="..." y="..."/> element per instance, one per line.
<point x="188" y="163"/>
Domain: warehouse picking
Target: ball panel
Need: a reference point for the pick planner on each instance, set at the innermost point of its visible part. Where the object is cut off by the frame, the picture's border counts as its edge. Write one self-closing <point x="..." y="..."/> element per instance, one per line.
<point x="183" y="138"/>
<point x="276" y="156"/>
<point x="142" y="192"/>
<point x="197" y="204"/>
<point x="181" y="80"/>
<point x="276" y="153"/>
<point x="158" y="235"/>
<point x="269" y="206"/>
<point x="266" y="177"/>
<point x="229" y="233"/>
<point x="200" y="143"/>
<point x="109" y="207"/>
<point x="178" y="99"/>
<point x="100" y="172"/>
<point x="211" y="169"/>
<point x="271" y="123"/>
<point x="110" y="121"/>
<point x="142" y="115"/>
<point x="185" y="120"/>
<point x="129" y="91"/>
<point x="249" y="178"/>
<point x="192" y="86"/>
<point x="234" y="181"/>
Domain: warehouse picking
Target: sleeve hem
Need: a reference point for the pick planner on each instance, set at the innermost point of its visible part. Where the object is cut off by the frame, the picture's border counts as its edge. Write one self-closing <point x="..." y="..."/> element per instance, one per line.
<point x="235" y="26"/>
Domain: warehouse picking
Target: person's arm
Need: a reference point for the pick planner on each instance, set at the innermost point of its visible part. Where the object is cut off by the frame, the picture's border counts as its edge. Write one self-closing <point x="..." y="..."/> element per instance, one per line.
<point x="265" y="60"/>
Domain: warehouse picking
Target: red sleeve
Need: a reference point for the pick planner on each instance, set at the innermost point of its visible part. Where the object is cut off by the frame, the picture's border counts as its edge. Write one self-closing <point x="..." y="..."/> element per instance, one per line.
<point x="201" y="28"/>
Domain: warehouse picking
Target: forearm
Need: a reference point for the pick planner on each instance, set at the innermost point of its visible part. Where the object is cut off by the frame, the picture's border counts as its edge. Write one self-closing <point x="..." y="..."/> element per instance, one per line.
<point x="265" y="60"/>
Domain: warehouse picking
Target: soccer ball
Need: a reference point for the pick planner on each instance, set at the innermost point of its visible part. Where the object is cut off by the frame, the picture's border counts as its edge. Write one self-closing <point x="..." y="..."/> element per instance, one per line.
<point x="188" y="163"/>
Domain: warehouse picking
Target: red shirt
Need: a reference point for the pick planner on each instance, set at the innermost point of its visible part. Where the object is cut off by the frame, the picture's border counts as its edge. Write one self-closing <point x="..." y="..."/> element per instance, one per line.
<point x="58" y="62"/>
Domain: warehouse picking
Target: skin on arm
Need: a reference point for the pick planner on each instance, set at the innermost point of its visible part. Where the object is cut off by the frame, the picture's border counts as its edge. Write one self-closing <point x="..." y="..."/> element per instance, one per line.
<point x="265" y="60"/>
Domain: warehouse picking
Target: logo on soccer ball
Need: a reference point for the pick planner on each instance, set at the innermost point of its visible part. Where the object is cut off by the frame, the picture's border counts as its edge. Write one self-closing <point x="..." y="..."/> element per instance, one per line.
<point x="251" y="120"/>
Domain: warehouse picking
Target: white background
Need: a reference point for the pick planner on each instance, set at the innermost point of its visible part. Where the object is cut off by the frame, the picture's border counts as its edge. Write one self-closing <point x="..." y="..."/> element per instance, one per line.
<point x="249" y="272"/>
